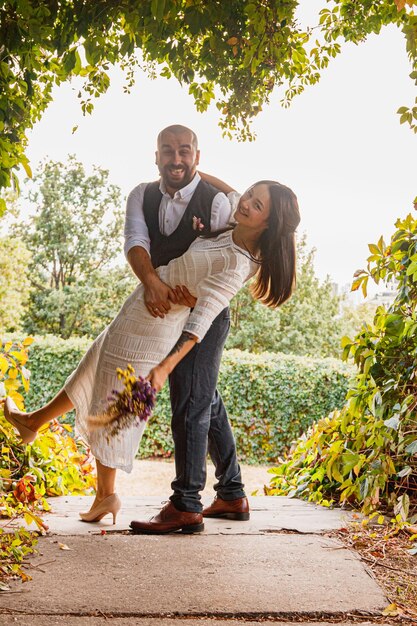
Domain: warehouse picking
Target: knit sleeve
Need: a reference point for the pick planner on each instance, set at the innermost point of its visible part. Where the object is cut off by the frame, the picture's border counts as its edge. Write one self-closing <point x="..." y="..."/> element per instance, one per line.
<point x="213" y="295"/>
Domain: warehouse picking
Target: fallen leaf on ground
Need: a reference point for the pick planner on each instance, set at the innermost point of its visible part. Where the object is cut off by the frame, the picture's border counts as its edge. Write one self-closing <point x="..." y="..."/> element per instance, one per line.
<point x="391" y="610"/>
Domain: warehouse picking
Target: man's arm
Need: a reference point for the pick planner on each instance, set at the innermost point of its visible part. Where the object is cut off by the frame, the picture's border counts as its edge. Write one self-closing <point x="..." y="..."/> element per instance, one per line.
<point x="216" y="182"/>
<point x="137" y="244"/>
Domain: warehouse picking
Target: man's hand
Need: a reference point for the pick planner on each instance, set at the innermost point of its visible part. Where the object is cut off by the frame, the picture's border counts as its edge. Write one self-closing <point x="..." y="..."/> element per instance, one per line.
<point x="157" y="377"/>
<point x="158" y="296"/>
<point x="184" y="297"/>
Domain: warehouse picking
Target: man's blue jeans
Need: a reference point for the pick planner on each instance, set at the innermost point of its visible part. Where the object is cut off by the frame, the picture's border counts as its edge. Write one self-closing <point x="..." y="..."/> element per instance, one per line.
<point x="200" y="423"/>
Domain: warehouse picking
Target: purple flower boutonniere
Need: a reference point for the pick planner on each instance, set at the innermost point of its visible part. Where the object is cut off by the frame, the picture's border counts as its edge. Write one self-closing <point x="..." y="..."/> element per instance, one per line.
<point x="198" y="224"/>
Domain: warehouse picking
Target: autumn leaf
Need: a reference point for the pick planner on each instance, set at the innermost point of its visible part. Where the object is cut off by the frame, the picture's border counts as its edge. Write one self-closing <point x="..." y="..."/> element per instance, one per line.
<point x="391" y="610"/>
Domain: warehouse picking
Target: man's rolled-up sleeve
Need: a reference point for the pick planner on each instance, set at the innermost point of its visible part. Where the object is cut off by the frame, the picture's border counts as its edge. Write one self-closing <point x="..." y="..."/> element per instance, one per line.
<point x="221" y="212"/>
<point x="136" y="231"/>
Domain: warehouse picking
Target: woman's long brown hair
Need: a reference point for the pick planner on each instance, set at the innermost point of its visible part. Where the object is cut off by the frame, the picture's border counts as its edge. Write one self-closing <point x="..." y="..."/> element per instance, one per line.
<point x="275" y="279"/>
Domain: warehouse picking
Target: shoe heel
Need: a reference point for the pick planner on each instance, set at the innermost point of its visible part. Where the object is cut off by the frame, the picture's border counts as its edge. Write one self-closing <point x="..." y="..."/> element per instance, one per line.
<point x="192" y="528"/>
<point x="114" y="518"/>
<point x="241" y="517"/>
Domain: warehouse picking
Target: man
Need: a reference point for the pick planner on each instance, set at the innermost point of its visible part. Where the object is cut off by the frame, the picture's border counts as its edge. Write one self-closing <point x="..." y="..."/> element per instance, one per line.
<point x="162" y="220"/>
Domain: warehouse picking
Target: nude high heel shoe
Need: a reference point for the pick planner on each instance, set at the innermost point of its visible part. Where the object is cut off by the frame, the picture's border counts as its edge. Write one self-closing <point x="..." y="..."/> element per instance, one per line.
<point x="27" y="435"/>
<point x="111" y="504"/>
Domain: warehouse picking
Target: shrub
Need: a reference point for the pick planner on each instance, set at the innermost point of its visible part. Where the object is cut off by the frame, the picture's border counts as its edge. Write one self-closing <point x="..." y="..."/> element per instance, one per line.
<point x="55" y="464"/>
<point x="271" y="398"/>
<point x="366" y="453"/>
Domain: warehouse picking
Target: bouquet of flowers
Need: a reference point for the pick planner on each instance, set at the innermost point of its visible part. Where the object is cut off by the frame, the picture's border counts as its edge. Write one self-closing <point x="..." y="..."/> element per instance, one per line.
<point x="128" y="407"/>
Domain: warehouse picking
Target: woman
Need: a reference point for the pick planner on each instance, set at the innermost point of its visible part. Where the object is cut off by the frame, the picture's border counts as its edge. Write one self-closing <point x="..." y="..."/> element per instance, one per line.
<point x="213" y="269"/>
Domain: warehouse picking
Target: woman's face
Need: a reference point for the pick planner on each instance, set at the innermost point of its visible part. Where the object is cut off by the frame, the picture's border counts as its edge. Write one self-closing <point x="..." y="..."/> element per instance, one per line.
<point x="253" y="208"/>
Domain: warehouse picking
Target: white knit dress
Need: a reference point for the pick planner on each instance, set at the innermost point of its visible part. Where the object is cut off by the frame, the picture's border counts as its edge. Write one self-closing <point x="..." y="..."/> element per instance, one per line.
<point x="213" y="270"/>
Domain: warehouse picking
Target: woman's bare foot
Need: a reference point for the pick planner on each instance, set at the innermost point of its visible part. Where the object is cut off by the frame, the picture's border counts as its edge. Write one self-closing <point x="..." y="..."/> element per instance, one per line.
<point x="20" y="420"/>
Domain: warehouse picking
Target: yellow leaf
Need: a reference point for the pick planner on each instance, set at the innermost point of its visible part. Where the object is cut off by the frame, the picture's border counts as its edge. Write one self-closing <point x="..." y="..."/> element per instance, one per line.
<point x="5" y="450"/>
<point x="27" y="169"/>
<point x="11" y="384"/>
<point x="13" y="372"/>
<point x="391" y="610"/>
<point x="18" y="399"/>
<point x="63" y="546"/>
<point x="381" y="519"/>
<point x="4" y="364"/>
<point x="20" y="355"/>
<point x="28" y="518"/>
<point x="336" y="473"/>
<point x="28" y="341"/>
<point x="8" y="345"/>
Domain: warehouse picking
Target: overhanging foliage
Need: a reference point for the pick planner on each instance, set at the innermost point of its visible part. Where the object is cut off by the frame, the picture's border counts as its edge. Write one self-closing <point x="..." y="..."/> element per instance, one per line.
<point x="245" y="48"/>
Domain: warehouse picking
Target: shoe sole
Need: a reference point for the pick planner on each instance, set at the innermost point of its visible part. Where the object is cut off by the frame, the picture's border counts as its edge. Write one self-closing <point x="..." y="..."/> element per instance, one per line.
<point x="240" y="517"/>
<point x="186" y="530"/>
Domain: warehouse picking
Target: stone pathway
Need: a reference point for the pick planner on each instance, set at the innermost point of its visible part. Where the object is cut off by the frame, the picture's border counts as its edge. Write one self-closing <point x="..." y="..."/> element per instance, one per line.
<point x="279" y="566"/>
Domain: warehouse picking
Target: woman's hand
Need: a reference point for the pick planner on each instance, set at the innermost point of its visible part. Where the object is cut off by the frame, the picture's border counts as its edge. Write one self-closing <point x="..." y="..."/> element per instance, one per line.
<point x="157" y="377"/>
<point x="184" y="297"/>
<point x="158" y="374"/>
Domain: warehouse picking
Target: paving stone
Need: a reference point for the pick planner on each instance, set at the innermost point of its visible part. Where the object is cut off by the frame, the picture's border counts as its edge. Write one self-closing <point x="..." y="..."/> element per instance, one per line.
<point x="268" y="515"/>
<point x="65" y="620"/>
<point x="197" y="574"/>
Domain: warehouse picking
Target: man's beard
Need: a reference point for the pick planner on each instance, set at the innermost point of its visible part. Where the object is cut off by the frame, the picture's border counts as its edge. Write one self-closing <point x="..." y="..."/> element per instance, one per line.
<point x="180" y="182"/>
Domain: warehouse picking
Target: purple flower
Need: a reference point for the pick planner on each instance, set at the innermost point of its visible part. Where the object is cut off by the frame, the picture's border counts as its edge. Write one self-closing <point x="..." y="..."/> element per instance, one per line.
<point x="130" y="406"/>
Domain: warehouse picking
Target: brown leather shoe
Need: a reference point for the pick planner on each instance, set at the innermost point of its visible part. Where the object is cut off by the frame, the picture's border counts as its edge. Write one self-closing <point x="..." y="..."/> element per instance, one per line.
<point x="228" y="509"/>
<point x="169" y="520"/>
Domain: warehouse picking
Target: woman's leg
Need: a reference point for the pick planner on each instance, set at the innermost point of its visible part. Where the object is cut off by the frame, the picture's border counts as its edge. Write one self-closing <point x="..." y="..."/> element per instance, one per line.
<point x="106" y="478"/>
<point x="106" y="501"/>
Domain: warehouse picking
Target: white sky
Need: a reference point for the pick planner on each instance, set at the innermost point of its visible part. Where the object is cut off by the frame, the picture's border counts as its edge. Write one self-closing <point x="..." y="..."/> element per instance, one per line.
<point x="339" y="146"/>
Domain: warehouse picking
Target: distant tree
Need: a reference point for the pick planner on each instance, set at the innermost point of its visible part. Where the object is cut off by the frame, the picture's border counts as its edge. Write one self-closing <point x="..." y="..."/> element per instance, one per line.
<point x="308" y="324"/>
<point x="74" y="237"/>
<point x="353" y="317"/>
<point x="14" y="283"/>
<point x="254" y="327"/>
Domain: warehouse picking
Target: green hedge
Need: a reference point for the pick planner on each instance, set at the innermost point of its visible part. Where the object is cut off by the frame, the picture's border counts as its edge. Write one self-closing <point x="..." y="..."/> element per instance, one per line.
<point x="271" y="398"/>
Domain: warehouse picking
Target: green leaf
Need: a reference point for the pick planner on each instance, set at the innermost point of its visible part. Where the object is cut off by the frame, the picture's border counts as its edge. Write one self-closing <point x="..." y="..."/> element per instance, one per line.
<point x="393" y="422"/>
<point x="412" y="448"/>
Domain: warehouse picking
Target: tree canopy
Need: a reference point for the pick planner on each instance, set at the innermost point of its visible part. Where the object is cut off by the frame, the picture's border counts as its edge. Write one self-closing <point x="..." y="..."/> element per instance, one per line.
<point x="231" y="53"/>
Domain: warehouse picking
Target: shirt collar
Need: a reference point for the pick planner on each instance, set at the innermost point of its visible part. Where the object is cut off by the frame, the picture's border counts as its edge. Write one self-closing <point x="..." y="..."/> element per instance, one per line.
<point x="186" y="191"/>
